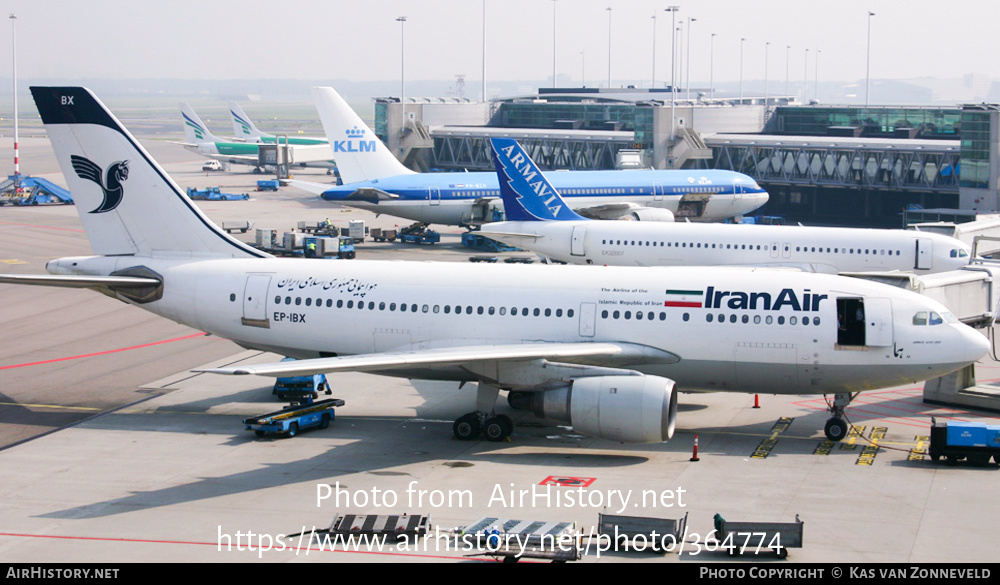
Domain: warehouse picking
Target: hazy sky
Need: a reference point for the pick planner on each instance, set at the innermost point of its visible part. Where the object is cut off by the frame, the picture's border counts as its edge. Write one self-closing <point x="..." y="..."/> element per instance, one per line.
<point x="334" y="39"/>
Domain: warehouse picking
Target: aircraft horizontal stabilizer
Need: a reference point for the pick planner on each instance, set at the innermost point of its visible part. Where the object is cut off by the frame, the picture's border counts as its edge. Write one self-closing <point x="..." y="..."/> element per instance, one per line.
<point x="448" y="356"/>
<point x="72" y="281"/>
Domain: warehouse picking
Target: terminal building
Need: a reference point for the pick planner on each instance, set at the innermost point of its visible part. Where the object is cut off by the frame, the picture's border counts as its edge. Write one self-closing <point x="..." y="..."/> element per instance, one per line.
<point x="833" y="165"/>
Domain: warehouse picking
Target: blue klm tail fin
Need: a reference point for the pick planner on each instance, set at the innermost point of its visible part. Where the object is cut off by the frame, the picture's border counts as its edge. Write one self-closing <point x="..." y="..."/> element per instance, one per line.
<point x="527" y="194"/>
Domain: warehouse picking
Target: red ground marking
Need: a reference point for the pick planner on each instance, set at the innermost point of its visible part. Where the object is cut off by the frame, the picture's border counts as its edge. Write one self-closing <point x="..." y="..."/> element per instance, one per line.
<point x="76" y="357"/>
<point x="564" y="481"/>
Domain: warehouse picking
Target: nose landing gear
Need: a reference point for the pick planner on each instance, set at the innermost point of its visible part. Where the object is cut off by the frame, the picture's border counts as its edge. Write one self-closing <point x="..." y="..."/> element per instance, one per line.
<point x="836" y="427"/>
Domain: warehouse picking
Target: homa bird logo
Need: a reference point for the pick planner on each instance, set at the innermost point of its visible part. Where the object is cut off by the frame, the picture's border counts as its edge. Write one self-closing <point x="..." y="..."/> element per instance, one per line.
<point x="352" y="144"/>
<point x="111" y="185"/>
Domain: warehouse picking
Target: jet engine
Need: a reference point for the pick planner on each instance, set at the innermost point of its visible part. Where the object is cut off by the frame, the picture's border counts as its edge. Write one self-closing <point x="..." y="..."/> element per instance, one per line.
<point x="631" y="409"/>
<point x="650" y="214"/>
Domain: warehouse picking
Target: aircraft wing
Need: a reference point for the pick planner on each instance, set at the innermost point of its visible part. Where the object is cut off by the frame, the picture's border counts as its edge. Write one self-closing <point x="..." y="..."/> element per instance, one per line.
<point x="485" y="231"/>
<point x="598" y="210"/>
<point x="74" y="281"/>
<point x="371" y="195"/>
<point x="452" y="356"/>
<point x="310" y="187"/>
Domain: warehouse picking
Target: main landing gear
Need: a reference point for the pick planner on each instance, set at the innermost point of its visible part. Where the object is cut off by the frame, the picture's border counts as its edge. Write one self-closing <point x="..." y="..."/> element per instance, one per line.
<point x="836" y="427"/>
<point x="495" y="427"/>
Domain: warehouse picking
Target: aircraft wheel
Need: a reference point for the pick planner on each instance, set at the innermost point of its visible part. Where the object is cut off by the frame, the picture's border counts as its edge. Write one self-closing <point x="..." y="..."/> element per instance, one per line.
<point x="498" y="428"/>
<point x="467" y="427"/>
<point x="835" y="429"/>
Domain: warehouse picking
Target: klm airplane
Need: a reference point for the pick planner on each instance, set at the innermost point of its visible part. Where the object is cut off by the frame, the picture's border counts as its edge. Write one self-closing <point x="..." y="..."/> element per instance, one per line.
<point x="376" y="181"/>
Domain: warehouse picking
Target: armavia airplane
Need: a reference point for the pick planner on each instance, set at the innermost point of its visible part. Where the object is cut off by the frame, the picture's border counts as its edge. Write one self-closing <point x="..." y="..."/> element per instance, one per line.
<point x="541" y="221"/>
<point x="376" y="181"/>
<point x="603" y="349"/>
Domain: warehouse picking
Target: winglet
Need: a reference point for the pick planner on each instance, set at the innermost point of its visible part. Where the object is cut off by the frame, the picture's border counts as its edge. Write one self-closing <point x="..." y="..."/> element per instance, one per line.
<point x="527" y="194"/>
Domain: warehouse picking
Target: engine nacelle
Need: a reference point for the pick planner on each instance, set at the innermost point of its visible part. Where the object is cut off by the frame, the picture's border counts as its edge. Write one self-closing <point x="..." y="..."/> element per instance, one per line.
<point x="631" y="409"/>
<point x="650" y="214"/>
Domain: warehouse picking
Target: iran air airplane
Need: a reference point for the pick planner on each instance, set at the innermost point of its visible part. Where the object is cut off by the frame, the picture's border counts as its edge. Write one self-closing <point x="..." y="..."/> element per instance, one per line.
<point x="604" y="349"/>
<point x="244" y="129"/>
<point x="200" y="140"/>
<point x="376" y="181"/>
<point x="539" y="220"/>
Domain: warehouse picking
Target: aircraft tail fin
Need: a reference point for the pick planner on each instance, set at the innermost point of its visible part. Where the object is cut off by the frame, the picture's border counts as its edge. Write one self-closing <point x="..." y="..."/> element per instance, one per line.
<point x="359" y="154"/>
<point x="243" y="126"/>
<point x="195" y="131"/>
<point x="527" y="194"/>
<point x="127" y="203"/>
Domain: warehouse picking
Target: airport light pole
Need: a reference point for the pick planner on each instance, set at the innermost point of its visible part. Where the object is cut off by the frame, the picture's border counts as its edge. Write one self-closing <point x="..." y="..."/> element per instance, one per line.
<point x="767" y="48"/>
<point x="868" y="59"/>
<point x="652" y="84"/>
<point x="13" y="39"/>
<point x="553" y="43"/>
<point x="609" y="47"/>
<point x="711" y="68"/>
<point x="402" y="61"/>
<point x="484" y="51"/>
<point x="788" y="50"/>
<point x="673" y="85"/>
<point x="687" y="78"/>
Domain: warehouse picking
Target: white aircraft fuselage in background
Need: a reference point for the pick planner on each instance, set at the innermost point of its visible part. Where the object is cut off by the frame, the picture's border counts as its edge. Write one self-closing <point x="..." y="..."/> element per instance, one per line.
<point x="814" y="249"/>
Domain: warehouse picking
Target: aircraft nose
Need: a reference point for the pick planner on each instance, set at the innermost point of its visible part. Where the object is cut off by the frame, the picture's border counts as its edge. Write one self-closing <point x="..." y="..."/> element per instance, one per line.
<point x="976" y="344"/>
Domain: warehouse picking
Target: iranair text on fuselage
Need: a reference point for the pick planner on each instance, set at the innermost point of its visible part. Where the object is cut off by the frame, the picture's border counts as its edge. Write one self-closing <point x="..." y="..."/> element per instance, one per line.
<point x="354" y="142"/>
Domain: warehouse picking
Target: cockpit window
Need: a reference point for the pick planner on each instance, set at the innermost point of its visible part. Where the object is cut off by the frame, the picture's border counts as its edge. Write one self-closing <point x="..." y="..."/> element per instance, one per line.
<point x="920" y="318"/>
<point x="935" y="319"/>
<point x="956" y="253"/>
<point x="949" y="318"/>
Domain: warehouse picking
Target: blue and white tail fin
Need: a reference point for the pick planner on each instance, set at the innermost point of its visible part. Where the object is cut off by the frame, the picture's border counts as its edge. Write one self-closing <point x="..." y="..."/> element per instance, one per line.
<point x="527" y="194"/>
<point x="195" y="131"/>
<point x="359" y="154"/>
<point x="127" y="203"/>
<point x="243" y="126"/>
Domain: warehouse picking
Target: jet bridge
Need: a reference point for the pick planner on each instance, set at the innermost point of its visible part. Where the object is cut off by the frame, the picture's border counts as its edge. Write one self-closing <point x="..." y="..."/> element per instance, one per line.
<point x="972" y="296"/>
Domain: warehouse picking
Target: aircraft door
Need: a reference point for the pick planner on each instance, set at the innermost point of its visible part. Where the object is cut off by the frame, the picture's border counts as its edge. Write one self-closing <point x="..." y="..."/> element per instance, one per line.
<point x="786" y="250"/>
<point x="657" y="192"/>
<point x="577" y="243"/>
<point x="774" y="249"/>
<point x="434" y="195"/>
<point x="255" y="301"/>
<point x="588" y="319"/>
<point x="878" y="322"/>
<point x="925" y="254"/>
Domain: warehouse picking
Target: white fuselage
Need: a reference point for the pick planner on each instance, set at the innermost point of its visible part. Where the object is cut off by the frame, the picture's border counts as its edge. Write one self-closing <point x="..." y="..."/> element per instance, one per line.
<point x="814" y="249"/>
<point x="748" y="330"/>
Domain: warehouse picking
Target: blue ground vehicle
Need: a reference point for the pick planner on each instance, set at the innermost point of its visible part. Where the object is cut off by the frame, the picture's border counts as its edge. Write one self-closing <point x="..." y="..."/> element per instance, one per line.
<point x="300" y="387"/>
<point x="292" y="419"/>
<point x="975" y="442"/>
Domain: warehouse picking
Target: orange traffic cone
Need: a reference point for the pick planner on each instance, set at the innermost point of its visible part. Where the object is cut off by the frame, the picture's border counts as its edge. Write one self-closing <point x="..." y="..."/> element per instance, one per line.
<point x="694" y="454"/>
<point x="756" y="400"/>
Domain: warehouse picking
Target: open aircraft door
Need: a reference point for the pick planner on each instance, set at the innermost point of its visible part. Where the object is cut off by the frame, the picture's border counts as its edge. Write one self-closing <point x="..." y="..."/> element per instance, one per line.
<point x="577" y="247"/>
<point x="878" y="322"/>
<point x="925" y="254"/>
<point x="434" y="195"/>
<point x="255" y="301"/>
